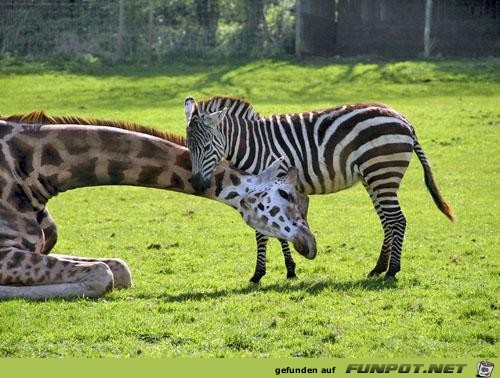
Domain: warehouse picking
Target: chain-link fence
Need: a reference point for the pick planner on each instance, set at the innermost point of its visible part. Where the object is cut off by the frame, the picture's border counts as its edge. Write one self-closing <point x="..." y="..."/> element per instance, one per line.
<point x="146" y="30"/>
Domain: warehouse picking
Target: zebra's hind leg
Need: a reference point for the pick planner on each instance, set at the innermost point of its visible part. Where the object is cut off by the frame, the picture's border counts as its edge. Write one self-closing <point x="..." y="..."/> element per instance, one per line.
<point x="394" y="224"/>
<point x="381" y="175"/>
<point x="398" y="225"/>
<point x="260" y="268"/>
<point x="385" y="252"/>
<point x="289" y="263"/>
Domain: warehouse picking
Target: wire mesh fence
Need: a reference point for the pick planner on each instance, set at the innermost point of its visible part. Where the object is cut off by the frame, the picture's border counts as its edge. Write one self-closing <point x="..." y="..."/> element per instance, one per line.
<point x="164" y="30"/>
<point x="146" y="30"/>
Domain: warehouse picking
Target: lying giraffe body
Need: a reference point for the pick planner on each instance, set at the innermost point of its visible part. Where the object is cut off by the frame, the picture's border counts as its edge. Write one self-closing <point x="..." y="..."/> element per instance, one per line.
<point x="42" y="156"/>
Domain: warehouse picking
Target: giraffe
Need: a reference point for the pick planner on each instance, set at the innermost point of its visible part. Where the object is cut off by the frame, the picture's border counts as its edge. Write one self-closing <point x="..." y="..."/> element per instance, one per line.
<point x="43" y="155"/>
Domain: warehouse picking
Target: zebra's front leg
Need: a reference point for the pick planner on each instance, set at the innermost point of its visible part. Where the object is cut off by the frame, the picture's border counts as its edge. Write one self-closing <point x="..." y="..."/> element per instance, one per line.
<point x="260" y="268"/>
<point x="289" y="263"/>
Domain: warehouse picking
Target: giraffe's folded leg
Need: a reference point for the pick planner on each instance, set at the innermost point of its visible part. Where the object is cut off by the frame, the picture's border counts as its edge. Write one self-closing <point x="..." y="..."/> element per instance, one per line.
<point x="121" y="273"/>
<point x="37" y="276"/>
<point x="122" y="276"/>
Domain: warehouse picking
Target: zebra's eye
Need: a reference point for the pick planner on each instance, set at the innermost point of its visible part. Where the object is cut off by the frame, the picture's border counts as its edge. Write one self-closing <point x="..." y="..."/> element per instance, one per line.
<point x="285" y="195"/>
<point x="207" y="148"/>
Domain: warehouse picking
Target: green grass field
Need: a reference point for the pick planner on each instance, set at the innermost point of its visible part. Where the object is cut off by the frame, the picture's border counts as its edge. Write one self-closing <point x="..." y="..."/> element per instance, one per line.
<point x="192" y="258"/>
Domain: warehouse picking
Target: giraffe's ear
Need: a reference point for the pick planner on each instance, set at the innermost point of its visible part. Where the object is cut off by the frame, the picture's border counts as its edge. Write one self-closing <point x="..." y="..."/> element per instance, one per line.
<point x="272" y="172"/>
<point x="189" y="105"/>
<point x="216" y="117"/>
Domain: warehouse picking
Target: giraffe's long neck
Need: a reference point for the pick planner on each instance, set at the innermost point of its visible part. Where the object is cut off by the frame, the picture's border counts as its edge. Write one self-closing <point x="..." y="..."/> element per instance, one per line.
<point x="56" y="158"/>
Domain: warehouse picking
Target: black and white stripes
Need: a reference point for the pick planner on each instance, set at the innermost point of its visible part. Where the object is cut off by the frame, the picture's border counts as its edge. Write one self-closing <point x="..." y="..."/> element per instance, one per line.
<point x="333" y="149"/>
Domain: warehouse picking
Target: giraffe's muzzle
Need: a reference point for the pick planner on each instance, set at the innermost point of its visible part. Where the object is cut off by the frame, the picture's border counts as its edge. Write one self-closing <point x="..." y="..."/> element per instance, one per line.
<point x="305" y="243"/>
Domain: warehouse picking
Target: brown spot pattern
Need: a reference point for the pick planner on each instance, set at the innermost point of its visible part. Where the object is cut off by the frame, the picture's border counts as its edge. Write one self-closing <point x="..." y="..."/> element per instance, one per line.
<point x="116" y="171"/>
<point x="149" y="175"/>
<point x="15" y="260"/>
<point x="23" y="156"/>
<point x="274" y="211"/>
<point x="50" y="156"/>
<point x="85" y="172"/>
<point x="232" y="195"/>
<point x="184" y="161"/>
<point x="235" y="180"/>
<point x="219" y="177"/>
<point x="176" y="181"/>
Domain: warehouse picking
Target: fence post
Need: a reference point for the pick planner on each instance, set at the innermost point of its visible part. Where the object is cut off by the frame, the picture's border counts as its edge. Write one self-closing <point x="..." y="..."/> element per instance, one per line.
<point x="299" y="43"/>
<point x="427" y="29"/>
<point x="150" y="33"/>
<point x="121" y="31"/>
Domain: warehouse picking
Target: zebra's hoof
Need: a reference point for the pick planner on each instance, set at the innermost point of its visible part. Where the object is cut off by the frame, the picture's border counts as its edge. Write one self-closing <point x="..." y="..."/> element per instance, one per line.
<point x="291" y="276"/>
<point x="374" y="273"/>
<point x="390" y="277"/>
<point x="256" y="277"/>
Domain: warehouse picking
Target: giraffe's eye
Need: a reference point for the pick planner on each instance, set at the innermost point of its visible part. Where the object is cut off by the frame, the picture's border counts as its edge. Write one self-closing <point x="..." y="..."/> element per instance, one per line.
<point x="285" y="195"/>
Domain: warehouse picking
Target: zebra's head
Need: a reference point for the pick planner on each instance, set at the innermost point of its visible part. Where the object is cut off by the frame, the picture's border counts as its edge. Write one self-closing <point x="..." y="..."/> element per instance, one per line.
<point x="204" y="141"/>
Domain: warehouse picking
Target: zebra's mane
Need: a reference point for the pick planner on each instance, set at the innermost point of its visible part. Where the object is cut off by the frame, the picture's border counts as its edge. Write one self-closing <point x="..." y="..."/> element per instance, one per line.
<point x="245" y="110"/>
<point x="40" y="117"/>
<point x="236" y="106"/>
<point x="339" y="110"/>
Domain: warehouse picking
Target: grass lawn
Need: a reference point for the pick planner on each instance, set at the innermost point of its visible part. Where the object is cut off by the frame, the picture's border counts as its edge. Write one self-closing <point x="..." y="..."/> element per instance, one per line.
<point x="192" y="258"/>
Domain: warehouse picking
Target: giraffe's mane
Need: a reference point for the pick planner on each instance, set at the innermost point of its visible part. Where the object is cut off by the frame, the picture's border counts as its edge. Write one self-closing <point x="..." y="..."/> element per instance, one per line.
<point x="234" y="104"/>
<point x="40" y="117"/>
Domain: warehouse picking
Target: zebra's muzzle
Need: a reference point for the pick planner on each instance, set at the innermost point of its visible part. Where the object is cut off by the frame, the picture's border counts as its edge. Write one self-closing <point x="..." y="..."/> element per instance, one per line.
<point x="200" y="184"/>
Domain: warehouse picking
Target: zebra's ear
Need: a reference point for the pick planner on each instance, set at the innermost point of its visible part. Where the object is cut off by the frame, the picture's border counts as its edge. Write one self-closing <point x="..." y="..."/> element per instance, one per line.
<point x="189" y="105"/>
<point x="216" y="117"/>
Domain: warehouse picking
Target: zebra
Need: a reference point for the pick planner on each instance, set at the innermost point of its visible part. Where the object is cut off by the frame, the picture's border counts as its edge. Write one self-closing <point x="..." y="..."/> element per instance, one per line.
<point x="332" y="149"/>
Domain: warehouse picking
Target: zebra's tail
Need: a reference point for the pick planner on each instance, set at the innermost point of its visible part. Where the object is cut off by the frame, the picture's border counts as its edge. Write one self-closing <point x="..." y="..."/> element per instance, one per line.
<point x="430" y="183"/>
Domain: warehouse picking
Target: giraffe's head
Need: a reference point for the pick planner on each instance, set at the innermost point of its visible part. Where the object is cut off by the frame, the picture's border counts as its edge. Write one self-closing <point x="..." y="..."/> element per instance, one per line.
<point x="273" y="206"/>
<point x="204" y="141"/>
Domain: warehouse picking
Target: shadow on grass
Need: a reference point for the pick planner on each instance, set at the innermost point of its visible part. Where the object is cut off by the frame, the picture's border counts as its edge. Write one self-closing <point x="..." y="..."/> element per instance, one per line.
<point x="391" y="70"/>
<point x="297" y="289"/>
<point x="300" y="289"/>
<point x="327" y="80"/>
